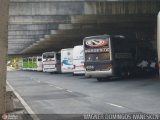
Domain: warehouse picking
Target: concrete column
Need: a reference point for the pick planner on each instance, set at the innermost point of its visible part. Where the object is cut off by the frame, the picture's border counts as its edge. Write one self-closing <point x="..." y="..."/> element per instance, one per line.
<point x="158" y="40"/>
<point x="3" y="51"/>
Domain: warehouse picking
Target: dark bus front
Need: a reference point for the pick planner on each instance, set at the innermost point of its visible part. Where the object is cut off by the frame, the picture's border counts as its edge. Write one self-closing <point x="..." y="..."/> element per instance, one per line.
<point x="107" y="56"/>
<point x="98" y="57"/>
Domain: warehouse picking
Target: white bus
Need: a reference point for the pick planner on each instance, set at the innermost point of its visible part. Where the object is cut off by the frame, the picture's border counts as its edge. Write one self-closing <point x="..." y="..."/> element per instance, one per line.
<point x="67" y="60"/>
<point x="58" y="62"/>
<point x="39" y="63"/>
<point x="78" y="60"/>
<point x="48" y="61"/>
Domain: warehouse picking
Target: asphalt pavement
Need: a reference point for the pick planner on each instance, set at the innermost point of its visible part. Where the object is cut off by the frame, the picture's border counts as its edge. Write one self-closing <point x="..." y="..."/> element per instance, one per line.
<point x="64" y="94"/>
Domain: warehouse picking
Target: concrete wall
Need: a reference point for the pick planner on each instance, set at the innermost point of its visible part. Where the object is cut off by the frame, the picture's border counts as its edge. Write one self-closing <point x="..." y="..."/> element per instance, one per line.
<point x="46" y="8"/>
<point x="33" y="27"/>
<point x="3" y="51"/>
<point x="119" y="7"/>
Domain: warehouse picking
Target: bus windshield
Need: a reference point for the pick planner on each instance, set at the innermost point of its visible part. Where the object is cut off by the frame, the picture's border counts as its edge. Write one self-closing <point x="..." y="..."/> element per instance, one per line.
<point x="48" y="55"/>
<point x="97" y="49"/>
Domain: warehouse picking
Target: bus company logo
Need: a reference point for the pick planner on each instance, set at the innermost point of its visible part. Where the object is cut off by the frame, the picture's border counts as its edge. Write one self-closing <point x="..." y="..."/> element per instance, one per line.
<point x="4" y="116"/>
<point x="96" y="42"/>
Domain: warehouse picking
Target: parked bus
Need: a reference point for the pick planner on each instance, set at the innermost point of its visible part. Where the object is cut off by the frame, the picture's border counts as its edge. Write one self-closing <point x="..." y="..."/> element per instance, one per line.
<point x="39" y="63"/>
<point x="49" y="61"/>
<point x="30" y="63"/>
<point x="58" y="62"/>
<point x="25" y="63"/>
<point x="78" y="60"/>
<point x="107" y="56"/>
<point x="67" y="60"/>
<point x="20" y="63"/>
<point x="34" y="63"/>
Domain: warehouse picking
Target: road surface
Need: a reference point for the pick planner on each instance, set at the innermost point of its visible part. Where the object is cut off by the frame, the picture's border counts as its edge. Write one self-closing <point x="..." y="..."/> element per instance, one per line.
<point x="66" y="94"/>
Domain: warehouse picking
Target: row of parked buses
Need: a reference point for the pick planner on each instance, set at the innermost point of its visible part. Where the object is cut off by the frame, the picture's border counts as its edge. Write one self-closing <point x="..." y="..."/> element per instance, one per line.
<point x="69" y="60"/>
<point x="100" y="57"/>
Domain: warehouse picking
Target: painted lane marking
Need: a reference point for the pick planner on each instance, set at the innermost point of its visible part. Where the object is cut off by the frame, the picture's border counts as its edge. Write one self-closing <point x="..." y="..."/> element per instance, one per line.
<point x="26" y="106"/>
<point x="119" y="106"/>
<point x="58" y="87"/>
<point x="69" y="91"/>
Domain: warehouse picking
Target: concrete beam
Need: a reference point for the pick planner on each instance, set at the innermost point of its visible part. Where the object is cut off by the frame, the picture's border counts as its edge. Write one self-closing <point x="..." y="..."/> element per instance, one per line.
<point x="119" y="7"/>
<point x="55" y="42"/>
<point x="21" y="43"/>
<point x="77" y="26"/>
<point x="41" y="19"/>
<point x="68" y="26"/>
<point x="53" y="0"/>
<point x="89" y="19"/>
<point x="19" y="40"/>
<point x="25" y="36"/>
<point x="27" y="33"/>
<point x="46" y="8"/>
<point x="32" y="27"/>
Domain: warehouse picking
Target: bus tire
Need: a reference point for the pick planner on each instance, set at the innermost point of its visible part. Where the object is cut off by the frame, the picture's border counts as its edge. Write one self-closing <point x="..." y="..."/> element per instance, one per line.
<point x="125" y="74"/>
<point x="100" y="79"/>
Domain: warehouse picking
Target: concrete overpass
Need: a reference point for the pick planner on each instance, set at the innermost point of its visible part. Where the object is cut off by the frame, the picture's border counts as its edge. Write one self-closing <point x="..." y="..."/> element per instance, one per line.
<point x="36" y="26"/>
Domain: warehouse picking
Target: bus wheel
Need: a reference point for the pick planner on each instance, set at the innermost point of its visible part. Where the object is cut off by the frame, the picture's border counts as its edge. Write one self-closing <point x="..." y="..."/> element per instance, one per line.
<point x="125" y="74"/>
<point x="74" y="74"/>
<point x="100" y="79"/>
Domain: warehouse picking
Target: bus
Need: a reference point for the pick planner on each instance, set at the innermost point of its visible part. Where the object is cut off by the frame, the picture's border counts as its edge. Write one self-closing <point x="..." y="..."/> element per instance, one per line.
<point x="37" y="63"/>
<point x="34" y="63"/>
<point x="49" y="61"/>
<point x="30" y="63"/>
<point x="78" y="60"/>
<point x="25" y="63"/>
<point x="58" y="62"/>
<point x="108" y="56"/>
<point x="67" y="60"/>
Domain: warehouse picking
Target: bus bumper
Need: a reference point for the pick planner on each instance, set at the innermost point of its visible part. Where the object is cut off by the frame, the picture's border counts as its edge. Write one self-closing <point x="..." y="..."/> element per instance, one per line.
<point x="99" y="74"/>
<point x="49" y="70"/>
<point x="79" y="72"/>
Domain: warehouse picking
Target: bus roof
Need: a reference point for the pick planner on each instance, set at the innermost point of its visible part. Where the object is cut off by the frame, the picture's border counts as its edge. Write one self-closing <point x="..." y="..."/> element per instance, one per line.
<point x="48" y="52"/>
<point x="66" y="49"/>
<point x="105" y="35"/>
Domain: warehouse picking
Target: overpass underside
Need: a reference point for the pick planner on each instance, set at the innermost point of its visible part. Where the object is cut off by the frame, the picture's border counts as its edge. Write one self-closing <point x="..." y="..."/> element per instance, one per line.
<point x="37" y="26"/>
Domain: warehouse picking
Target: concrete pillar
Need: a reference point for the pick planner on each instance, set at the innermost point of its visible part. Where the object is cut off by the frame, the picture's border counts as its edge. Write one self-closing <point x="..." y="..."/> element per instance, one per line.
<point x="3" y="51"/>
<point x="158" y="40"/>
